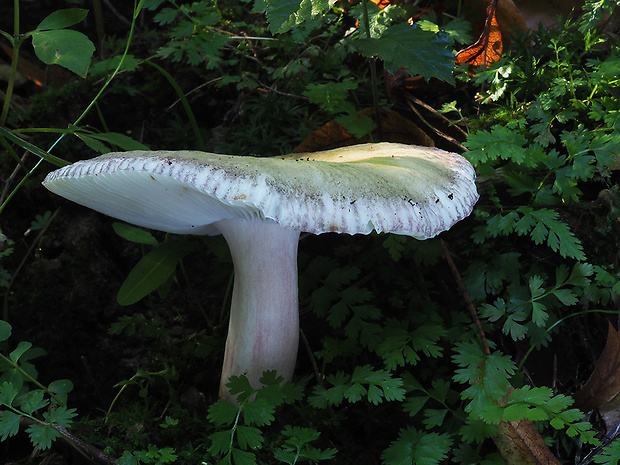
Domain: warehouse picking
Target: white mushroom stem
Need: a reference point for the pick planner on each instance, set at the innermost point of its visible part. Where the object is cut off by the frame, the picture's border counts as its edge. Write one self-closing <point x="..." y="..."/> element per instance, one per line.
<point x="263" y="332"/>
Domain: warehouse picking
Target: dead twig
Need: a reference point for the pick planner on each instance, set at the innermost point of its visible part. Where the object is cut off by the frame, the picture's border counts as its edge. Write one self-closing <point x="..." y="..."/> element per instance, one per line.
<point x="465" y="294"/>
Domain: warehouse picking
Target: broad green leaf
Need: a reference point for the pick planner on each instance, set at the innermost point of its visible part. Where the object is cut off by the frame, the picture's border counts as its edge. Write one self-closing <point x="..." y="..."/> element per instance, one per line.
<point x="134" y="234"/>
<point x="152" y="270"/>
<point x="418" y="51"/>
<point x="60" y="19"/>
<point x="64" y="47"/>
<point x="120" y="140"/>
<point x="60" y="388"/>
<point x="21" y="348"/>
<point x="5" y="330"/>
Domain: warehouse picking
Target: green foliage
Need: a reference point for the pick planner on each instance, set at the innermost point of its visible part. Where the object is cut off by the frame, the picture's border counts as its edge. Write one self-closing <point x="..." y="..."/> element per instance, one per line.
<point x="418" y="51"/>
<point x="154" y="269"/>
<point x="256" y="409"/>
<point x="297" y="446"/>
<point x="417" y="447"/>
<point x="374" y="386"/>
<point x="492" y="398"/>
<point x="55" y="44"/>
<point x="381" y="315"/>
<point x="18" y="401"/>
<point x="609" y="455"/>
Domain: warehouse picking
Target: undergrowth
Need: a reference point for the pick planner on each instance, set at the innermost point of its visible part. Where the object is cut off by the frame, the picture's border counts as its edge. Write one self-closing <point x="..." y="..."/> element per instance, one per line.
<point x="393" y="368"/>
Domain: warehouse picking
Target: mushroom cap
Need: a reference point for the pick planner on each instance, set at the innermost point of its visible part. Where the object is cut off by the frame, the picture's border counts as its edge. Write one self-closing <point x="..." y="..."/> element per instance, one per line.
<point x="385" y="187"/>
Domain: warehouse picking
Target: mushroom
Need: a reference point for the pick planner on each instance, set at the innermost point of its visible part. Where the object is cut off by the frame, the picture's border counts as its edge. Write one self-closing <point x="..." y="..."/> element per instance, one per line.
<point x="260" y="206"/>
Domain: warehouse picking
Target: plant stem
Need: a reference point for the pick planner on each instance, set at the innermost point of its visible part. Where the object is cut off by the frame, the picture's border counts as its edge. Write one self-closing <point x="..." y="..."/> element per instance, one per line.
<point x="16" y="42"/>
<point x="373" y="74"/>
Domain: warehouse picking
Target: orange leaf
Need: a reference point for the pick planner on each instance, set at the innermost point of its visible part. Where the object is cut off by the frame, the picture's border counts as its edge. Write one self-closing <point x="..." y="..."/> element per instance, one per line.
<point x="604" y="382"/>
<point x="488" y="48"/>
<point x="383" y="3"/>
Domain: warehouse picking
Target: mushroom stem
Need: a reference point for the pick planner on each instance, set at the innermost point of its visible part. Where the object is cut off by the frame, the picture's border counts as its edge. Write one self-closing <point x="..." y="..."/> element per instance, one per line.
<point x="263" y="332"/>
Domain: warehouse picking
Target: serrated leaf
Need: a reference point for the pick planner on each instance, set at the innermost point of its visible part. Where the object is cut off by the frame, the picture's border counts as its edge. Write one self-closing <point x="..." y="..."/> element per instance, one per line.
<point x="249" y="437"/>
<point x="434" y="417"/>
<point x="418" y="51"/>
<point x="60" y="416"/>
<point x="42" y="435"/>
<point x="8" y="392"/>
<point x="32" y="401"/>
<point x="279" y="13"/>
<point x="9" y="424"/>
<point x="565" y="296"/>
<point x="413" y="447"/>
<point x="240" y="385"/>
<point x="242" y="457"/>
<point x="220" y="442"/>
<point x="330" y="96"/>
<point x="414" y="404"/>
<point x="259" y="413"/>
<point x="222" y="413"/>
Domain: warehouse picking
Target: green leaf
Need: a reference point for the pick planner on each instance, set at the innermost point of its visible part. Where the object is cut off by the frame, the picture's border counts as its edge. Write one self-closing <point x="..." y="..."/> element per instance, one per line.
<point x="9" y="425"/>
<point x="279" y="12"/>
<point x="5" y="330"/>
<point x="418" y="51"/>
<point x="64" y="47"/>
<point x="60" y="19"/>
<point x="152" y="270"/>
<point x="32" y="401"/>
<point x="220" y="442"/>
<point x="240" y="385"/>
<point x="42" y="435"/>
<point x="20" y="350"/>
<point x="95" y="141"/>
<point x="417" y="448"/>
<point x="8" y="392"/>
<point x="222" y="413"/>
<point x="242" y="457"/>
<point x="61" y="388"/>
<point x="260" y="413"/>
<point x="134" y="234"/>
<point x="60" y="416"/>
<point x="330" y="96"/>
<point x="249" y="437"/>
